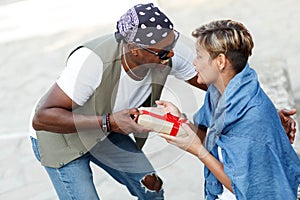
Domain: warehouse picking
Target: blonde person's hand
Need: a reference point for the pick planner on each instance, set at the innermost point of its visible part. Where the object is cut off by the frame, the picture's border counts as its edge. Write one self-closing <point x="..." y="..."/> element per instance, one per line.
<point x="169" y="107"/>
<point x="189" y="142"/>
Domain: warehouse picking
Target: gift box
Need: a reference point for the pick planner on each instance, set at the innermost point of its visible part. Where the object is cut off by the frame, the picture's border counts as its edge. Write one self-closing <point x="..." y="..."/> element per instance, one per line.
<point x="161" y="122"/>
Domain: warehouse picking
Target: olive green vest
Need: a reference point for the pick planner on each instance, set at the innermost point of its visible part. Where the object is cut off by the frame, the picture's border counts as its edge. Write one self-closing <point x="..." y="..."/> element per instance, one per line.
<point x="56" y="150"/>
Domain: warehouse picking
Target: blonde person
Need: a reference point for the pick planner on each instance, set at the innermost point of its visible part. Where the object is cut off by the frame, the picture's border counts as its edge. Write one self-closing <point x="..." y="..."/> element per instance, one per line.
<point x="239" y="139"/>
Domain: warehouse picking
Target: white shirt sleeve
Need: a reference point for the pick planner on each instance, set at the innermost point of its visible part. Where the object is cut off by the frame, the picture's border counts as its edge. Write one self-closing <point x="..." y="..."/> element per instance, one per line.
<point x="81" y="76"/>
<point x="182" y="61"/>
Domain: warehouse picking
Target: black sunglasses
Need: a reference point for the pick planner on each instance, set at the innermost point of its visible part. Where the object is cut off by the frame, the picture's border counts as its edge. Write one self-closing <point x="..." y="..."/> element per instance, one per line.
<point x="163" y="55"/>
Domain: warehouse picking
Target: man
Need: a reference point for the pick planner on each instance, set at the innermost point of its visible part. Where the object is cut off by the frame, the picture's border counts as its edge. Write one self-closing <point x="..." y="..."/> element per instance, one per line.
<point x="88" y="114"/>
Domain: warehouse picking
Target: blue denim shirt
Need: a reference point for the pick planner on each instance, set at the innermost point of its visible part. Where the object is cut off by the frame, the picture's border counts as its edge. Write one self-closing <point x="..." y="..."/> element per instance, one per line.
<point x="257" y="155"/>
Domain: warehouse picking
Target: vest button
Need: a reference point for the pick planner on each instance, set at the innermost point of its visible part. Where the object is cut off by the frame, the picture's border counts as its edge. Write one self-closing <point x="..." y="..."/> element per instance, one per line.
<point x="61" y="164"/>
<point x="81" y="153"/>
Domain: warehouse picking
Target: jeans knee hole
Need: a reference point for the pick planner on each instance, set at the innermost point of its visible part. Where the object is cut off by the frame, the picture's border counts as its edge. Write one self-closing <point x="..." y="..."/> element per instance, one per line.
<point x="152" y="182"/>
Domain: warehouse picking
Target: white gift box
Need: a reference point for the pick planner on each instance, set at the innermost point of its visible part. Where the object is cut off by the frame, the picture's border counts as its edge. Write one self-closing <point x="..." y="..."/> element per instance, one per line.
<point x="161" y="122"/>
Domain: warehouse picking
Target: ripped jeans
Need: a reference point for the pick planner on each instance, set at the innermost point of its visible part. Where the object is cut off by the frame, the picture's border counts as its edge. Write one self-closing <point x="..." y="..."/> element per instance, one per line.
<point x="119" y="157"/>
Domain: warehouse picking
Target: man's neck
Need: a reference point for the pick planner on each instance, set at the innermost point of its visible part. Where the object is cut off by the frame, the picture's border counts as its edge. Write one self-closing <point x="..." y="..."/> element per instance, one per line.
<point x="133" y="70"/>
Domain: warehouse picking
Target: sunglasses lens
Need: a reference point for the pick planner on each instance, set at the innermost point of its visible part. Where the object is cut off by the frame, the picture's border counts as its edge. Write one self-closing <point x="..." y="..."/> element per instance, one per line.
<point x="163" y="55"/>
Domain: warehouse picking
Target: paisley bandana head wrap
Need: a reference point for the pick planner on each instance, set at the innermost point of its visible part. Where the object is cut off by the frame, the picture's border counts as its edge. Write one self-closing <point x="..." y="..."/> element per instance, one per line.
<point x="143" y="24"/>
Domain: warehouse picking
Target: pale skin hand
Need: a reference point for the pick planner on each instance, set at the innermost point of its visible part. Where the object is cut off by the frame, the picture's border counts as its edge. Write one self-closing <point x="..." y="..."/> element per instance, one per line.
<point x="192" y="144"/>
<point x="189" y="142"/>
<point x="55" y="115"/>
<point x="169" y="107"/>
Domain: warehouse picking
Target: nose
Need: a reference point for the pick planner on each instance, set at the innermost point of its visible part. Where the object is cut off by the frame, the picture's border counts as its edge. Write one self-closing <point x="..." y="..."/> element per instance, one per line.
<point x="166" y="55"/>
<point x="171" y="54"/>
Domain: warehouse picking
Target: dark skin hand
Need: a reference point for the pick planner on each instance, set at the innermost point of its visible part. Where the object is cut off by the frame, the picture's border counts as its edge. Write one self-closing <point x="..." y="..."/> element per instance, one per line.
<point x="193" y="82"/>
<point x="55" y="115"/>
<point x="288" y="123"/>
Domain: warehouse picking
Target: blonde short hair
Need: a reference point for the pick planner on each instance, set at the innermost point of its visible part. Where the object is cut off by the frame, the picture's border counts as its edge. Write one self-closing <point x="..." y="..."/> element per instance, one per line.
<point x="228" y="37"/>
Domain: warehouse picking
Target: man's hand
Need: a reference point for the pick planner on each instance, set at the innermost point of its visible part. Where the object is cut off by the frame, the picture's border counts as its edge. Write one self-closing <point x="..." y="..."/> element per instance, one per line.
<point x="288" y="122"/>
<point x="124" y="122"/>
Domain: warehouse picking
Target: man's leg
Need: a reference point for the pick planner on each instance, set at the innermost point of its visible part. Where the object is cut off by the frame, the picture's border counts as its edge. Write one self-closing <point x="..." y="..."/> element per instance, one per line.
<point x="73" y="181"/>
<point x="118" y="155"/>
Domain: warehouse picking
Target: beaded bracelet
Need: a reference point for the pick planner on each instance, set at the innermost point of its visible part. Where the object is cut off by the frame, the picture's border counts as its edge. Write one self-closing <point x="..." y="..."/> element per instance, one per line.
<point x="108" y="122"/>
<point x="104" y="125"/>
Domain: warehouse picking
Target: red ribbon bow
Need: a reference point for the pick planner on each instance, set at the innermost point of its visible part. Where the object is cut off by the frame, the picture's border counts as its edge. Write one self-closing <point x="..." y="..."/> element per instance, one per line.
<point x="169" y="118"/>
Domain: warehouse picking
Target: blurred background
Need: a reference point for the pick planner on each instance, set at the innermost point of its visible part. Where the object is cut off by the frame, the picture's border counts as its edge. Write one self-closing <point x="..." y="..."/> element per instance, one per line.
<point x="36" y="37"/>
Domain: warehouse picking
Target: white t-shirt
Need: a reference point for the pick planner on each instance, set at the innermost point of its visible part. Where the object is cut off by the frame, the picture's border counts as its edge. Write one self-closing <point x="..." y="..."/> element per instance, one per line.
<point x="84" y="69"/>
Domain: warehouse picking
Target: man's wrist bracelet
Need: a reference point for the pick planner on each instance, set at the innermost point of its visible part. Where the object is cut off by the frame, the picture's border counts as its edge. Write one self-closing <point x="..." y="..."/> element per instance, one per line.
<point x="104" y="125"/>
<point x="108" y="123"/>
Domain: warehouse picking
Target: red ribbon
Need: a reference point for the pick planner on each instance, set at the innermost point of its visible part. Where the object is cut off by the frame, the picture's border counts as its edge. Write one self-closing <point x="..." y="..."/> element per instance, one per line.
<point x="169" y="118"/>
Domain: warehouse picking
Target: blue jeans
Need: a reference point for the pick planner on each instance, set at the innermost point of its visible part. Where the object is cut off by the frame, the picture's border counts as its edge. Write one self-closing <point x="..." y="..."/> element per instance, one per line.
<point x="118" y="156"/>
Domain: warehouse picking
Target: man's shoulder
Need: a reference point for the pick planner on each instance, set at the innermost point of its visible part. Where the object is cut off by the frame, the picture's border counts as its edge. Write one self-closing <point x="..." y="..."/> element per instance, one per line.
<point x="105" y="46"/>
<point x="98" y="41"/>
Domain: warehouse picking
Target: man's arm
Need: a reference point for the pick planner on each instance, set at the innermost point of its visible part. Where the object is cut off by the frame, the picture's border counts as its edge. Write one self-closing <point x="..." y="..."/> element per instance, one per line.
<point x="193" y="82"/>
<point x="55" y="115"/>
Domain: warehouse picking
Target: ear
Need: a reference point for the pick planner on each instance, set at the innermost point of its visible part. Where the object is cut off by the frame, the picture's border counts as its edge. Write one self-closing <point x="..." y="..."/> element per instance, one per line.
<point x="221" y="61"/>
<point x="133" y="49"/>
